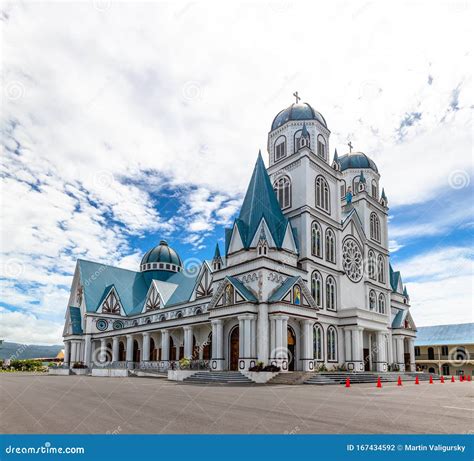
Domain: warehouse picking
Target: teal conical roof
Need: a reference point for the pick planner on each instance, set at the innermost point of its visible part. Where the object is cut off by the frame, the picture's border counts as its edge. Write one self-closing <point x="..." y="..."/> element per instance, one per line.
<point x="260" y="202"/>
<point x="217" y="252"/>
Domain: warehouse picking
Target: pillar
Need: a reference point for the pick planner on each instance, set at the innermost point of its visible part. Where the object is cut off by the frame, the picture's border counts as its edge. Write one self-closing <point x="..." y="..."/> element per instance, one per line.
<point x="146" y="347"/>
<point x="279" y="341"/>
<point x="412" y="355"/>
<point x="115" y="349"/>
<point x="263" y="333"/>
<point x="165" y="345"/>
<point x="87" y="350"/>
<point x="129" y="352"/>
<point x="307" y="353"/>
<point x="400" y="353"/>
<point x="381" y="339"/>
<point x="347" y="345"/>
<point x="73" y="352"/>
<point x="67" y="353"/>
<point x="356" y="357"/>
<point x="247" y="349"/>
<point x="217" y="360"/>
<point x="102" y="352"/>
<point x="188" y="342"/>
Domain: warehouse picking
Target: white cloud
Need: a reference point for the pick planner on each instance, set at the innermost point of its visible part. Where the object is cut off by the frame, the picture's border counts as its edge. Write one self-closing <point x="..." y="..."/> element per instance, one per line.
<point x="104" y="107"/>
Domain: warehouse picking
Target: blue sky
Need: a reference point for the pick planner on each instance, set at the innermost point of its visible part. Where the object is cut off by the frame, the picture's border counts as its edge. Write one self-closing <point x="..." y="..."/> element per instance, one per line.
<point x="124" y="124"/>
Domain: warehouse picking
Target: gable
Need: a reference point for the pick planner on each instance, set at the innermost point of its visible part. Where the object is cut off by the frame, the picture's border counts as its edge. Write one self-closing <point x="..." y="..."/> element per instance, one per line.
<point x="293" y="291"/>
<point x="203" y="286"/>
<point x="231" y="291"/>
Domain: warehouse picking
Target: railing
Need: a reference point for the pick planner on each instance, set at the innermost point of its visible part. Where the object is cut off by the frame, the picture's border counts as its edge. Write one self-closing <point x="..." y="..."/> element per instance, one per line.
<point x="155" y="365"/>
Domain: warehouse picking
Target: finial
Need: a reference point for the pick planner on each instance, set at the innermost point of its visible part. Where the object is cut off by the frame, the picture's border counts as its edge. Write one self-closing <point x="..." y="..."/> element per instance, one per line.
<point x="350" y="146"/>
<point x="295" y="94"/>
<point x="336" y="157"/>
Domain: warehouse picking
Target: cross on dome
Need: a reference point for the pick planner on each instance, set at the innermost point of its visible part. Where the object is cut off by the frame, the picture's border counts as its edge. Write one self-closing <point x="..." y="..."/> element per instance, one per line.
<point x="350" y="146"/>
<point x="298" y="99"/>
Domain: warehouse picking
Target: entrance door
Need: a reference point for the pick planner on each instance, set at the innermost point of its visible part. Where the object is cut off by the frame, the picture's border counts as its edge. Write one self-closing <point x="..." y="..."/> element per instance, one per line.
<point x="366" y="360"/>
<point x="136" y="352"/>
<point x="234" y="349"/>
<point x="407" y="362"/>
<point x="291" y="349"/>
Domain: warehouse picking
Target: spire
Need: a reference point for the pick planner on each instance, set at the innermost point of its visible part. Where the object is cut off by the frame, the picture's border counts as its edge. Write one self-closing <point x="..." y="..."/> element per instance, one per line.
<point x="217" y="253"/>
<point x="260" y="202"/>
<point x="304" y="131"/>
<point x="336" y="157"/>
<point x="383" y="194"/>
<point x="405" y="292"/>
<point x="362" y="177"/>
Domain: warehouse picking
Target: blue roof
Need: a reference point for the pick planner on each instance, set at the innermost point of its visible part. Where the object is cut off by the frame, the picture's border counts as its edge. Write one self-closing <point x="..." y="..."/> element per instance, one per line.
<point x="398" y="320"/>
<point x="281" y="291"/>
<point x="356" y="160"/>
<point x="461" y="333"/>
<point x="244" y="291"/>
<point x="300" y="111"/>
<point x="131" y="287"/>
<point x="394" y="278"/>
<point x="75" y="316"/>
<point x="260" y="202"/>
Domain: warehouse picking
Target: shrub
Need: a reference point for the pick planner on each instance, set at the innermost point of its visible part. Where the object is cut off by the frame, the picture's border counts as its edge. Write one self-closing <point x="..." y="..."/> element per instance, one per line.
<point x="184" y="363"/>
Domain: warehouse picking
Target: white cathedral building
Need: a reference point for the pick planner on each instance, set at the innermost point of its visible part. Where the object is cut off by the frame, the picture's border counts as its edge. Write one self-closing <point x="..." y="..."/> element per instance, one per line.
<point x="304" y="281"/>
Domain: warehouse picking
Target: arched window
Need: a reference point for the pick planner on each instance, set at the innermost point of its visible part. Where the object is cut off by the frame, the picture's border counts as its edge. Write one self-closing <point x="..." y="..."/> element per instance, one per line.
<point x="282" y="188"/>
<point x="355" y="185"/>
<point x="316" y="240"/>
<point x="322" y="193"/>
<point x="317" y="288"/>
<point x="375" y="191"/>
<point x="321" y="147"/>
<point x="332" y="344"/>
<point x="381" y="303"/>
<point x="374" y="227"/>
<point x="372" y="300"/>
<point x="330" y="249"/>
<point x="280" y="148"/>
<point x="371" y="264"/>
<point x="381" y="268"/>
<point x="330" y="293"/>
<point x="318" y="353"/>
<point x="343" y="189"/>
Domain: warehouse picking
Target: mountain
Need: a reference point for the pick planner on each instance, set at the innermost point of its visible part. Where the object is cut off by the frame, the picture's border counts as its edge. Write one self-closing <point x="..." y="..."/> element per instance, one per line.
<point x="27" y="351"/>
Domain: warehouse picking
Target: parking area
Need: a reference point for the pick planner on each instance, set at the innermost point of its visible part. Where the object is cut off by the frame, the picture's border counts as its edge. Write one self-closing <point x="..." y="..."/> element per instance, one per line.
<point x="75" y="404"/>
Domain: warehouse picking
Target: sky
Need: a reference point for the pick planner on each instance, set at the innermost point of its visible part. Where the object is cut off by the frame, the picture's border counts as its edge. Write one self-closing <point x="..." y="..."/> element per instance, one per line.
<point x="127" y="123"/>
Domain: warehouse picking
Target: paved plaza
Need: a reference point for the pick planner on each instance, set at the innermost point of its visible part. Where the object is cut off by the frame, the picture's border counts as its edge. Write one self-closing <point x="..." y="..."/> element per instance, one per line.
<point x="74" y="404"/>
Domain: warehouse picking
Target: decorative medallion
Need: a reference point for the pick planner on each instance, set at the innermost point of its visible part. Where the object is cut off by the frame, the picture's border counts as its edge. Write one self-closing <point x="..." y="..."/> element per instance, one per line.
<point x="352" y="259"/>
<point x="102" y="324"/>
<point x="117" y="325"/>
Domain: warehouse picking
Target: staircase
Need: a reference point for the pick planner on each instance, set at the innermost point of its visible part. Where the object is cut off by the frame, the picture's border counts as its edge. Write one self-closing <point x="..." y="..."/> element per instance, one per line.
<point x="218" y="377"/>
<point x="292" y="377"/>
<point x="326" y="378"/>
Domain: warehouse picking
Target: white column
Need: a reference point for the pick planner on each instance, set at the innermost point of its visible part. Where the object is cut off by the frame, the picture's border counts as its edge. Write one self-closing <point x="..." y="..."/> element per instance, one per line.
<point x="247" y="356"/>
<point x="279" y="354"/>
<point x="412" y="355"/>
<point x="87" y="350"/>
<point x="188" y="342"/>
<point x="165" y="345"/>
<point x="357" y="346"/>
<point x="129" y="352"/>
<point x="115" y="349"/>
<point x="67" y="352"/>
<point x="381" y="351"/>
<point x="400" y="353"/>
<point x="307" y="355"/>
<point x="347" y="345"/>
<point x="217" y="361"/>
<point x="263" y="333"/>
<point x="102" y="352"/>
<point x="146" y="347"/>
<point x="73" y="352"/>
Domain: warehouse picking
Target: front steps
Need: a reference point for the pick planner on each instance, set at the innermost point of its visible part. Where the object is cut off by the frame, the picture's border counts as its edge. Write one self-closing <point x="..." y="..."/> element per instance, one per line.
<point x="218" y="377"/>
<point x="327" y="378"/>
<point x="292" y="377"/>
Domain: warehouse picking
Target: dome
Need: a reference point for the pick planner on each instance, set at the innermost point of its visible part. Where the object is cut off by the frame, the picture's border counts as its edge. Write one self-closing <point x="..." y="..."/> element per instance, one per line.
<point x="297" y="111"/>
<point x="161" y="257"/>
<point x="356" y="160"/>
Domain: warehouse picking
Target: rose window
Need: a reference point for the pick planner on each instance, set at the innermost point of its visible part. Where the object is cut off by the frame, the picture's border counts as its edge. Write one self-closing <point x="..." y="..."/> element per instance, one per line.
<point x="352" y="259"/>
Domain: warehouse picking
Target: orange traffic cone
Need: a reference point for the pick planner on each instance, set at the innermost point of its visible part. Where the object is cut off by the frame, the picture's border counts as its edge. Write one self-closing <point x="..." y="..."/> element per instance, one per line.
<point x="442" y="379"/>
<point x="469" y="377"/>
<point x="452" y="379"/>
<point x="431" y="379"/>
<point x="348" y="382"/>
<point x="379" y="382"/>
<point x="399" y="383"/>
<point x="417" y="380"/>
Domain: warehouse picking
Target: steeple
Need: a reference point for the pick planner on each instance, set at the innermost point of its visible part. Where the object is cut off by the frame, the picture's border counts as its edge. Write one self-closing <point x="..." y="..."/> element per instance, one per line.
<point x="383" y="198"/>
<point x="304" y="131"/>
<point x="362" y="177"/>
<point x="335" y="162"/>
<point x="217" y="260"/>
<point x="260" y="202"/>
